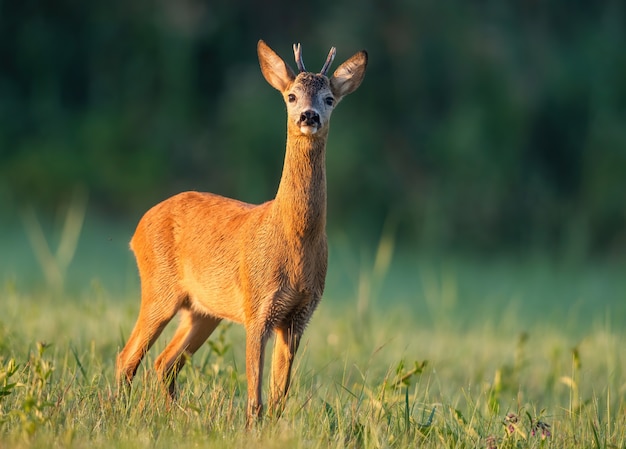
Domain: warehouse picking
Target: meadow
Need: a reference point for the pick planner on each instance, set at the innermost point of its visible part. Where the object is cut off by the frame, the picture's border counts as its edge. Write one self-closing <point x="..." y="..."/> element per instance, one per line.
<point x="405" y="350"/>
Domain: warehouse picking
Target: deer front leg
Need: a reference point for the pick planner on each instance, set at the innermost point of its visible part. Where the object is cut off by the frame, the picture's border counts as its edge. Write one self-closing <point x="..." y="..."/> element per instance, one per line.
<point x="255" y="355"/>
<point x="285" y="348"/>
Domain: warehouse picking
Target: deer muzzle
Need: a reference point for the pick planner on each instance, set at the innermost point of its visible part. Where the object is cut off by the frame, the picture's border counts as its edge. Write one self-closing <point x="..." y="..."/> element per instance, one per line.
<point x="309" y="122"/>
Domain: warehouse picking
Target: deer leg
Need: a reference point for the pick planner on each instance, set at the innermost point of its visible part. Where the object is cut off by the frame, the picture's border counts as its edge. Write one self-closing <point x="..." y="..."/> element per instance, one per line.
<point x="255" y="355"/>
<point x="285" y="347"/>
<point x="153" y="317"/>
<point x="191" y="334"/>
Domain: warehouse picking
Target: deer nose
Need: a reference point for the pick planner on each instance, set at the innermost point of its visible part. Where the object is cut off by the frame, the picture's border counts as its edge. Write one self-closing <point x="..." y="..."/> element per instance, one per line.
<point x="310" y="118"/>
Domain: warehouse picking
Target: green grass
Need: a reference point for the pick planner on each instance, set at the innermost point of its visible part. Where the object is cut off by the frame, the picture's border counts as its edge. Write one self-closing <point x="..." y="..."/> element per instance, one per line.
<point x="402" y="352"/>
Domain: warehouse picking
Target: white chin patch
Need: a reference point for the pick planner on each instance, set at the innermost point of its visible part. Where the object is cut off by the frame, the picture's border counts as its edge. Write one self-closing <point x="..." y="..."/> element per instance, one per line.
<point x="309" y="130"/>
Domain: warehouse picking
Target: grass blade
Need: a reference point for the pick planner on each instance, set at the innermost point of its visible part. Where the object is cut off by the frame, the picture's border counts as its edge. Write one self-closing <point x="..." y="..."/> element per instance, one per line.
<point x="80" y="365"/>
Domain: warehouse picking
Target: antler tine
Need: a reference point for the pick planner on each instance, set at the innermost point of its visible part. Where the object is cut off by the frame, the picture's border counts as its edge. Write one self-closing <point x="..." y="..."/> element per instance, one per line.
<point x="297" y="51"/>
<point x="329" y="60"/>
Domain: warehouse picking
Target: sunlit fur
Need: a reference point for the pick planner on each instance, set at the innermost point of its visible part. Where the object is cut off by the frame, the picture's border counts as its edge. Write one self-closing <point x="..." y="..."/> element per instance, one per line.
<point x="210" y="258"/>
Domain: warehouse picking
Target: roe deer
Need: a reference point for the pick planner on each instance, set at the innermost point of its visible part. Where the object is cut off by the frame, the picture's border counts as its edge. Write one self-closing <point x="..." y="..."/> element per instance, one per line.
<point x="212" y="258"/>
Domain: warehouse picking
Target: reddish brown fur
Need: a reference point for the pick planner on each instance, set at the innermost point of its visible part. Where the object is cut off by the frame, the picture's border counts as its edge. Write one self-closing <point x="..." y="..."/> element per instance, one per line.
<point x="212" y="258"/>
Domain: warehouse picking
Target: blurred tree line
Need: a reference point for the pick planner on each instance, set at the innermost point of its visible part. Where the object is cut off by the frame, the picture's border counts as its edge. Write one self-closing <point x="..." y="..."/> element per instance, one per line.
<point x="482" y="124"/>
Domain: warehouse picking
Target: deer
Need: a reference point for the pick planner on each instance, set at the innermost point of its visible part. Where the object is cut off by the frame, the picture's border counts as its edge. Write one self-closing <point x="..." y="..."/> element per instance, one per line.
<point x="210" y="258"/>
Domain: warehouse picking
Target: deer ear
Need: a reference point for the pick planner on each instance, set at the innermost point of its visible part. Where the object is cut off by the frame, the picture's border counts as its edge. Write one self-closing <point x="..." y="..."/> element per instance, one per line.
<point x="349" y="75"/>
<point x="274" y="69"/>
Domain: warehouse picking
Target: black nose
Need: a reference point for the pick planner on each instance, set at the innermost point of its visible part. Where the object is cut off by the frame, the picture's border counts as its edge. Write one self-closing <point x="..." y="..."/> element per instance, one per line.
<point x="310" y="118"/>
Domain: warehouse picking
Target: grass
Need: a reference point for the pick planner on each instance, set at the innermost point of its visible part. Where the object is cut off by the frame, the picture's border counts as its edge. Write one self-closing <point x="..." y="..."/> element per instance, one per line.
<point x="430" y="352"/>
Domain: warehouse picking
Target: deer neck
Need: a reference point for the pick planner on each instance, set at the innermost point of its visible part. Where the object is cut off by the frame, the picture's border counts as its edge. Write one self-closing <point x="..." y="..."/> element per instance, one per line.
<point x="301" y="198"/>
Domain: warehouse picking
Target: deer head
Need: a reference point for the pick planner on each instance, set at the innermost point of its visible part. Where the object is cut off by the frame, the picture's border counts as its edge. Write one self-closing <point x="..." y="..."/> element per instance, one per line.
<point x="311" y="97"/>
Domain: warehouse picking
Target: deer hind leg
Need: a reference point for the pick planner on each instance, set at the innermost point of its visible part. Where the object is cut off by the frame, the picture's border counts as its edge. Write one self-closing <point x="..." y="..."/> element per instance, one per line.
<point x="192" y="332"/>
<point x="285" y="347"/>
<point x="153" y="316"/>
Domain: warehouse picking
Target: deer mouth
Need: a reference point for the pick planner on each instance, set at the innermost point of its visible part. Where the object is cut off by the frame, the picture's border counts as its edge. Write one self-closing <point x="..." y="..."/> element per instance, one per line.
<point x="307" y="128"/>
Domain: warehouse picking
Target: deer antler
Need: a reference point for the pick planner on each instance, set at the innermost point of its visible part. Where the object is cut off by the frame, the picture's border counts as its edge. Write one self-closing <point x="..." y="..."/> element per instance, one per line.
<point x="329" y="60"/>
<point x="297" y="51"/>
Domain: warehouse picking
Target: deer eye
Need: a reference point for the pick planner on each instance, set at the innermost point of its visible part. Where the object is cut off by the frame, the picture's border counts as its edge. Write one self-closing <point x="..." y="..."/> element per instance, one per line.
<point x="329" y="101"/>
<point x="291" y="98"/>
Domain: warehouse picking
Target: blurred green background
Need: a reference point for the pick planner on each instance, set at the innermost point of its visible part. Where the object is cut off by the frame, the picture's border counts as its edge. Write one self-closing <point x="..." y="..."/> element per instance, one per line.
<point x="482" y="127"/>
